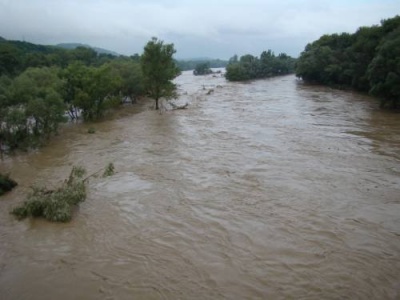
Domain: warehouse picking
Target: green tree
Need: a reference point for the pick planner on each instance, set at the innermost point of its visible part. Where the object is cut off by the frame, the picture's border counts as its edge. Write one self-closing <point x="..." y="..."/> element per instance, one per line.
<point x="159" y="70"/>
<point x="73" y="82"/>
<point x="202" y="69"/>
<point x="9" y="59"/>
<point x="130" y="72"/>
<point x="98" y="92"/>
<point x="384" y="71"/>
<point x="86" y="55"/>
<point x="362" y="51"/>
<point x="32" y="107"/>
<point x="236" y="72"/>
<point x="43" y="102"/>
<point x="368" y="60"/>
<point x="251" y="67"/>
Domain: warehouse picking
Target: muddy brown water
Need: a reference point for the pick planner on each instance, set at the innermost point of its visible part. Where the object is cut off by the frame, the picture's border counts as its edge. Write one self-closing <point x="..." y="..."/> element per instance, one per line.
<point x="264" y="190"/>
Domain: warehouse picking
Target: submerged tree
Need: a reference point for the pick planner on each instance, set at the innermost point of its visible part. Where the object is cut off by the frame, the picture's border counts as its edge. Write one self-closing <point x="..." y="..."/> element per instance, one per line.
<point x="31" y="107"/>
<point x="251" y="67"/>
<point x="55" y="205"/>
<point x="159" y="70"/>
<point x="202" y="69"/>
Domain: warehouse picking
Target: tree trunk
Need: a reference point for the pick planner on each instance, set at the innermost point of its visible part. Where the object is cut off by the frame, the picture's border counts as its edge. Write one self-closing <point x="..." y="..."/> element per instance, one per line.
<point x="157" y="104"/>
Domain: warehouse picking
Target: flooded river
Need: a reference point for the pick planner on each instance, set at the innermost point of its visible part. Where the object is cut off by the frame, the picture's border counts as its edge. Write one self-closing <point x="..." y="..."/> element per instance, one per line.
<point x="265" y="190"/>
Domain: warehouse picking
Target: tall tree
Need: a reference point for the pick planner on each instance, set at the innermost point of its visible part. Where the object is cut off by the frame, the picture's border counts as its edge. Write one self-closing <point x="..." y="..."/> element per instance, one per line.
<point x="159" y="70"/>
<point x="9" y="60"/>
<point x="384" y="71"/>
<point x="368" y="60"/>
<point x="32" y="107"/>
<point x="131" y="77"/>
<point x="99" y="92"/>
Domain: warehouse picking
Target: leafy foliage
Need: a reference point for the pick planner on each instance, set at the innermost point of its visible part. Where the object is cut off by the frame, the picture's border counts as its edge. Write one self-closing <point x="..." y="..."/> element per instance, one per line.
<point x="202" y="69"/>
<point x="251" y="67"/>
<point x="6" y="184"/>
<point x="91" y="130"/>
<point x="55" y="205"/>
<point x="99" y="88"/>
<point x="41" y="85"/>
<point x="384" y="70"/>
<point x="109" y="170"/>
<point x="32" y="107"/>
<point x="368" y="60"/>
<point x="159" y="69"/>
<point x="131" y="77"/>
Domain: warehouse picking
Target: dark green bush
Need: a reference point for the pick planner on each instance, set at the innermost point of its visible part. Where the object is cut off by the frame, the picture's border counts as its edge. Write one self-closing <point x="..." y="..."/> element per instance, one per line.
<point x="109" y="171"/>
<point x="54" y="205"/>
<point x="6" y="184"/>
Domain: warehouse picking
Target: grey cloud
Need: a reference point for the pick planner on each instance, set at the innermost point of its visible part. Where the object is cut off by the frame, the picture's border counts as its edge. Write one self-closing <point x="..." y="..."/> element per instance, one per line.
<point x="198" y="28"/>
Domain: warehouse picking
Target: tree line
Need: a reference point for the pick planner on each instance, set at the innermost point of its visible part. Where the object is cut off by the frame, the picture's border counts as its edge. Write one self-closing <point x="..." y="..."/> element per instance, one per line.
<point x="251" y="67"/>
<point x="186" y="65"/>
<point x="367" y="60"/>
<point x="43" y="86"/>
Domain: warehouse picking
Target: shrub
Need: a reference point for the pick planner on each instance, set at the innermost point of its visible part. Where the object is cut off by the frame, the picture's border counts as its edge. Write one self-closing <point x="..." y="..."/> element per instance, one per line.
<point x="55" y="205"/>
<point x="109" y="171"/>
<point x="6" y="184"/>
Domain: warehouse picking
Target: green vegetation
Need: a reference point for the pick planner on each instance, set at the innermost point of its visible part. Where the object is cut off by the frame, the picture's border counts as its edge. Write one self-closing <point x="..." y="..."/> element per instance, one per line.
<point x="367" y="60"/>
<point x="159" y="70"/>
<point x="186" y="65"/>
<point x="55" y="205"/>
<point x="251" y="67"/>
<point x="202" y="69"/>
<point x="6" y="184"/>
<point x="109" y="170"/>
<point x="77" y="45"/>
<point x="91" y="130"/>
<point x="43" y="86"/>
<point x="31" y="107"/>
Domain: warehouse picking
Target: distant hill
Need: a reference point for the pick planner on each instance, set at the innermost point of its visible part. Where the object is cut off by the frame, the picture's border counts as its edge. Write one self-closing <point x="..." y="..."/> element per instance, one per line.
<point x="26" y="47"/>
<point x="97" y="49"/>
<point x="17" y="56"/>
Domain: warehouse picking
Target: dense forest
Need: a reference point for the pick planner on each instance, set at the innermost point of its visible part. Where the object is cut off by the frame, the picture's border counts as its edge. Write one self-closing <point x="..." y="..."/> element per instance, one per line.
<point x="43" y="86"/>
<point x="367" y="60"/>
<point x="251" y="67"/>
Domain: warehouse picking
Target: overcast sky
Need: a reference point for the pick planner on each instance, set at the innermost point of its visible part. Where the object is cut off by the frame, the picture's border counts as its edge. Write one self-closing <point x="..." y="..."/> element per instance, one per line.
<point x="198" y="28"/>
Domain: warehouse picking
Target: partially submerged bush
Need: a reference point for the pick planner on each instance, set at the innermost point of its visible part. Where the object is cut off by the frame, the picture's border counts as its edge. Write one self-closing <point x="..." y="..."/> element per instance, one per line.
<point x="91" y="130"/>
<point x="55" y="205"/>
<point x="6" y="184"/>
<point x="109" y="171"/>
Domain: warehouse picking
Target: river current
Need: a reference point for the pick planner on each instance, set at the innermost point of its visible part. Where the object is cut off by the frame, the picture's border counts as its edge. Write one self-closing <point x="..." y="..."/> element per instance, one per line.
<point x="271" y="189"/>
